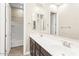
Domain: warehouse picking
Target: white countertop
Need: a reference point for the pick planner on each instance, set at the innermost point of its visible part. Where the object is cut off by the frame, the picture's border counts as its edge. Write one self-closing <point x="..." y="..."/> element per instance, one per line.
<point x="54" y="44"/>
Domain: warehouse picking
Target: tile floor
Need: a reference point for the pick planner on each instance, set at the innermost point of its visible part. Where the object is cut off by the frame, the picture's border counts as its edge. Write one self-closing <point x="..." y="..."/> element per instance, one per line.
<point x="16" y="51"/>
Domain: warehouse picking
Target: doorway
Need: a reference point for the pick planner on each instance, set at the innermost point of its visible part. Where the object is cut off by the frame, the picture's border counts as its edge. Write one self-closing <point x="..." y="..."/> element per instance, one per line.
<point x="16" y="29"/>
<point x="53" y="23"/>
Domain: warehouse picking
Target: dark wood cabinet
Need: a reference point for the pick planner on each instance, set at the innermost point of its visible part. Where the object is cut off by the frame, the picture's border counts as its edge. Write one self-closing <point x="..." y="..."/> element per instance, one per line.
<point x="32" y="47"/>
<point x="44" y="52"/>
<point x="37" y="50"/>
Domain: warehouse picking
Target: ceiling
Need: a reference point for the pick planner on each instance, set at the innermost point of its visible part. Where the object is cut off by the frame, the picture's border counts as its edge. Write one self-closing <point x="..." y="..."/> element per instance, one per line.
<point x="17" y="5"/>
<point x="21" y="5"/>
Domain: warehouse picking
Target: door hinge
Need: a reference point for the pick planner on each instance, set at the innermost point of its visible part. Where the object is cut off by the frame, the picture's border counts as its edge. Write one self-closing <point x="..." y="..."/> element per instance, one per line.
<point x="5" y="35"/>
<point x="55" y="32"/>
<point x="5" y="50"/>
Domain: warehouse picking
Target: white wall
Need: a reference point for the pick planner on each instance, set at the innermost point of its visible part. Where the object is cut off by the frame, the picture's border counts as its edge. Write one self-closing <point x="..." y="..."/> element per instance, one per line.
<point x="27" y="26"/>
<point x="68" y="15"/>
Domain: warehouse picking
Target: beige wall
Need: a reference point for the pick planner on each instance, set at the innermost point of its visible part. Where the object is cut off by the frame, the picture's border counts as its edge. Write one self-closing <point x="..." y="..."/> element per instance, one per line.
<point x="68" y="15"/>
<point x="17" y="15"/>
<point x="17" y="12"/>
<point x="17" y="26"/>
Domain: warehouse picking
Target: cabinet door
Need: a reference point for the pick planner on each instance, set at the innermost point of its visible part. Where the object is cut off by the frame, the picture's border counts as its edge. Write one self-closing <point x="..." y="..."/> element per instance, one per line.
<point x="44" y="52"/>
<point x="32" y="47"/>
<point x="37" y="52"/>
<point x="34" y="50"/>
<point x="37" y="49"/>
<point x="41" y="54"/>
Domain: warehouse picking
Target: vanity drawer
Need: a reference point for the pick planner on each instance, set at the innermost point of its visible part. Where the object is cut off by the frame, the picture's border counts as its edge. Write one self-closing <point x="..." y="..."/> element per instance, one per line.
<point x="44" y="52"/>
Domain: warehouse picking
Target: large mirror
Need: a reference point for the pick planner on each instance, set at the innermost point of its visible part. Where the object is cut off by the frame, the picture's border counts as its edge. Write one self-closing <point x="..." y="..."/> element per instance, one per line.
<point x="38" y="24"/>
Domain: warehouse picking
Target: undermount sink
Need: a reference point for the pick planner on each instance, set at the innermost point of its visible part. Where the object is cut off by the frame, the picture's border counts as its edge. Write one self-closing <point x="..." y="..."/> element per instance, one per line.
<point x="41" y="35"/>
<point x="61" y="51"/>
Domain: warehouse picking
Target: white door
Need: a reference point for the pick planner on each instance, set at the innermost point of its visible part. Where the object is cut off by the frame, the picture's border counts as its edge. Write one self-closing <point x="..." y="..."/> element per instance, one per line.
<point x="8" y="28"/>
<point x="2" y="29"/>
<point x="52" y="23"/>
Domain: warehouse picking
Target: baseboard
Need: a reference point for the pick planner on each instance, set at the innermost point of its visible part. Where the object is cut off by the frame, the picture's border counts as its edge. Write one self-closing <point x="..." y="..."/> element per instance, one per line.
<point x="27" y="54"/>
<point x="3" y="54"/>
<point x="7" y="53"/>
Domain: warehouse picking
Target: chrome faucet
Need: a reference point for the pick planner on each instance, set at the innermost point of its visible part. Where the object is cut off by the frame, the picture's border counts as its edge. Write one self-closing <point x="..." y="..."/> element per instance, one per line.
<point x="67" y="44"/>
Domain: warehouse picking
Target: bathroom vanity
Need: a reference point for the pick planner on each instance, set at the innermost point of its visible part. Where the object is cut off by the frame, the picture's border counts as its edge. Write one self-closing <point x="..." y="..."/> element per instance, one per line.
<point x="37" y="50"/>
<point x="50" y="45"/>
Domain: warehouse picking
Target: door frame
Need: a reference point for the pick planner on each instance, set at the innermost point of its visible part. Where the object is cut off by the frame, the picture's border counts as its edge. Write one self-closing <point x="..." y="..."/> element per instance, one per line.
<point x="7" y="30"/>
<point x="56" y="23"/>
